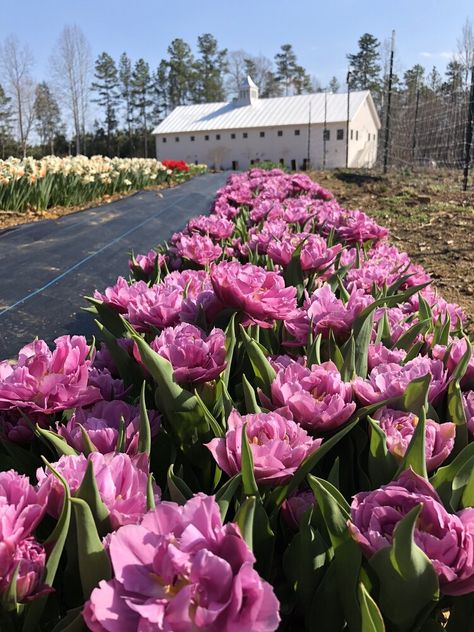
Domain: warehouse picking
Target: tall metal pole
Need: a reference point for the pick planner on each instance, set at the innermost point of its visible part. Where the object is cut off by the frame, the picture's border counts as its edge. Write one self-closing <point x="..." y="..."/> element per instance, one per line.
<point x="309" y="138"/>
<point x="324" y="128"/>
<point x="413" y="145"/>
<point x="469" y="123"/>
<point x="348" y="80"/>
<point x="389" y="101"/>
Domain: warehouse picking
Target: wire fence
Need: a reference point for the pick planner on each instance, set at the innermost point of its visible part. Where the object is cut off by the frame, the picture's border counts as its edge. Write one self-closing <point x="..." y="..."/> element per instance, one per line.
<point x="428" y="129"/>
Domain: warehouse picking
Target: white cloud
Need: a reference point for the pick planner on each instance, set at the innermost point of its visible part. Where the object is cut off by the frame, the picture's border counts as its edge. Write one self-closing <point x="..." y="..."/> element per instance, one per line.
<point x="446" y="54"/>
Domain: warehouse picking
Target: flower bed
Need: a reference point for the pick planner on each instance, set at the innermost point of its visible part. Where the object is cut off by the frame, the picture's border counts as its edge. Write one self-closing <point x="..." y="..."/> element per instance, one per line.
<point x="275" y="433"/>
<point x="41" y="184"/>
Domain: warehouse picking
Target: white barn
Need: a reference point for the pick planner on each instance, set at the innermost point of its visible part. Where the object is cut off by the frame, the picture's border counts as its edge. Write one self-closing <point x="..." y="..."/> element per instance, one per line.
<point x="286" y="130"/>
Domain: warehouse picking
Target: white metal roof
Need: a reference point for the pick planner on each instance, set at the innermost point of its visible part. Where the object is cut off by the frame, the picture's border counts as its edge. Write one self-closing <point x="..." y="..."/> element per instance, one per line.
<point x="292" y="110"/>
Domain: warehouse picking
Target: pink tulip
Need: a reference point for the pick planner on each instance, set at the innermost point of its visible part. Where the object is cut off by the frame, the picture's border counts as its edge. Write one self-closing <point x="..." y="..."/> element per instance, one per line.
<point x="182" y="569"/>
<point x="278" y="446"/>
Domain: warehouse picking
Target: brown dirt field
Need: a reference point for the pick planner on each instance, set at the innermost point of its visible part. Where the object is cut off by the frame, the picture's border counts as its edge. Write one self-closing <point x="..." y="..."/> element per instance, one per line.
<point x="428" y="215"/>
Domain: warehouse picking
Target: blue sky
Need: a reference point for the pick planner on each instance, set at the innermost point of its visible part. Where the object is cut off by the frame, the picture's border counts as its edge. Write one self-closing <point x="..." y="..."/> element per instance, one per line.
<point x="321" y="32"/>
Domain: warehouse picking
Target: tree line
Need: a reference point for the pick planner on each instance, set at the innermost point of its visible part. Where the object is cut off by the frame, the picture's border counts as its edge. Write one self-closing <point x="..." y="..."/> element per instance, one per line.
<point x="130" y="96"/>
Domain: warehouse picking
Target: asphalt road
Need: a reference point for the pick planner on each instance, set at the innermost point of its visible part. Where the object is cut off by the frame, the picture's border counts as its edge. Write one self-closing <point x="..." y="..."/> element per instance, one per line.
<point x="47" y="267"/>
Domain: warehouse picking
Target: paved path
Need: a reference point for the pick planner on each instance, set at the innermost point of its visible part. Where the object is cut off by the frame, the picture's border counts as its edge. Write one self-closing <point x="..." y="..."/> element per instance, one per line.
<point x="47" y="267"/>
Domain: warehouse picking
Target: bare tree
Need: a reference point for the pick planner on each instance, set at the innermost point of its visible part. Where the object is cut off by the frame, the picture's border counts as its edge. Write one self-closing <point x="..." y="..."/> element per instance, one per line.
<point x="236" y="70"/>
<point x="71" y="63"/>
<point x="17" y="62"/>
<point x="465" y="45"/>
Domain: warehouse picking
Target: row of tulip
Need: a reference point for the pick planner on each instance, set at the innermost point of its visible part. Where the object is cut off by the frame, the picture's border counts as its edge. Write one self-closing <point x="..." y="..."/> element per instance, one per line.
<point x="275" y="434"/>
<point x="50" y="182"/>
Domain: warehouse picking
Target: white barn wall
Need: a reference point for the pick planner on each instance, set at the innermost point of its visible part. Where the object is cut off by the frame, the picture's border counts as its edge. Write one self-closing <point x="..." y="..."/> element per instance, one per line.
<point x="221" y="153"/>
<point x="252" y="130"/>
<point x="363" y="149"/>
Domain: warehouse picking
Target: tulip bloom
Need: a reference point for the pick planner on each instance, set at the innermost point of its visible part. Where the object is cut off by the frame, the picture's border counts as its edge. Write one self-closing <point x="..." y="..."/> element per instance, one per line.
<point x="121" y="481"/>
<point x="447" y="539"/>
<point x="45" y="381"/>
<point x="278" y="446"/>
<point x="195" y="357"/>
<point x="399" y="427"/>
<point x="318" y="398"/>
<point x="260" y="295"/>
<point x="182" y="569"/>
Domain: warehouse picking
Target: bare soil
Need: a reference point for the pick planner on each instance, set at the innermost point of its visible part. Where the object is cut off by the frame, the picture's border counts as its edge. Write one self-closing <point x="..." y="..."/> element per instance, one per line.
<point x="428" y="215"/>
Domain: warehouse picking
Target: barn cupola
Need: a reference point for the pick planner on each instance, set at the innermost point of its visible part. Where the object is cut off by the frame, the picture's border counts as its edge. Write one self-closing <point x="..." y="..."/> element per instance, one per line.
<point x="248" y="92"/>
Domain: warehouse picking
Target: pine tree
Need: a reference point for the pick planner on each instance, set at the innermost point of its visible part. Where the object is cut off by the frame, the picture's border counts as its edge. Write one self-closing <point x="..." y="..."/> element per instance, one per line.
<point x="365" y="64"/>
<point x="434" y="80"/>
<point x="286" y="64"/>
<point x="142" y="92"/>
<point x="454" y="77"/>
<point x="47" y="114"/>
<point x="271" y="85"/>
<point x="414" y="78"/>
<point x="334" y="85"/>
<point x="302" y="81"/>
<point x="160" y="92"/>
<point x="107" y="88"/>
<point x="210" y="68"/>
<point x="125" y="86"/>
<point x="181" y="74"/>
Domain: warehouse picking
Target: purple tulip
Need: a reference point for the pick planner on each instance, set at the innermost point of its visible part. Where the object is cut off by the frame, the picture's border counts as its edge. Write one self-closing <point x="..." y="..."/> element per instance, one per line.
<point x="260" y="295"/>
<point x="28" y="563"/>
<point x="121" y="481"/>
<point x="295" y="506"/>
<point x="44" y="381"/>
<point x="182" y="569"/>
<point x="468" y="400"/>
<point x="399" y="427"/>
<point x="102" y="423"/>
<point x="315" y="253"/>
<point x="278" y="446"/>
<point x="194" y="356"/>
<point x="447" y="539"/>
<point x="198" y="248"/>
<point x="379" y="354"/>
<point x="214" y="226"/>
<point x="21" y="510"/>
<point x="318" y="398"/>
<point x="390" y="380"/>
<point x="119" y="295"/>
<point x="328" y="313"/>
<point x="110" y="388"/>
<point x="147" y="263"/>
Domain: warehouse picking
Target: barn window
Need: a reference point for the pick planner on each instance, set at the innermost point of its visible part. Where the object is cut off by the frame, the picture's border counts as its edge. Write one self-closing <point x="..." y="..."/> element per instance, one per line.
<point x="357" y="134"/>
<point x="218" y="136"/>
<point x="297" y="132"/>
<point x="235" y="164"/>
<point x="206" y="137"/>
<point x="340" y="134"/>
<point x="245" y="135"/>
<point x="293" y="165"/>
<point x="232" y="135"/>
<point x="177" y="139"/>
<point x="282" y="162"/>
<point x="192" y="138"/>
<point x="252" y="162"/>
<point x="352" y="134"/>
<point x="163" y="140"/>
<point x="262" y="134"/>
<point x="327" y="134"/>
<point x="280" y="132"/>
